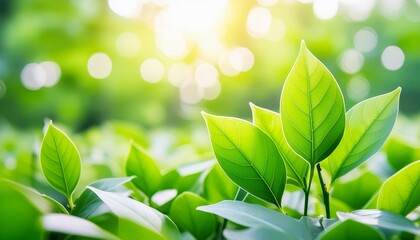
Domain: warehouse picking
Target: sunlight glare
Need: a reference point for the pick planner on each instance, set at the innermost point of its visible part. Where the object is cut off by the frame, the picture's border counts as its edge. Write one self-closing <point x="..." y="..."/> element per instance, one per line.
<point x="179" y="73"/>
<point x="128" y="44"/>
<point x="189" y="93"/>
<point x="258" y="22"/>
<point x="33" y="76"/>
<point x="358" y="88"/>
<point x="99" y="65"/>
<point x="325" y="9"/>
<point x="393" y="58"/>
<point x="152" y="70"/>
<point x="365" y="40"/>
<point x="206" y="75"/>
<point x="351" y="61"/>
<point x="126" y="8"/>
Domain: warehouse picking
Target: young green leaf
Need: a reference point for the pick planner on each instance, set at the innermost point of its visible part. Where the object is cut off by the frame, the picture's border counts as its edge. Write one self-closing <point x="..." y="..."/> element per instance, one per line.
<point x="401" y="192"/>
<point x="381" y="219"/>
<point x="141" y="165"/>
<point x="88" y="203"/>
<point x="248" y="157"/>
<point x="368" y="125"/>
<point x="60" y="162"/>
<point x="72" y="225"/>
<point x="312" y="108"/>
<point x="139" y="213"/>
<point x="270" y="122"/>
<point x="349" y="230"/>
<point x="257" y="216"/>
<point x="183" y="212"/>
<point x="258" y="233"/>
<point x="225" y="189"/>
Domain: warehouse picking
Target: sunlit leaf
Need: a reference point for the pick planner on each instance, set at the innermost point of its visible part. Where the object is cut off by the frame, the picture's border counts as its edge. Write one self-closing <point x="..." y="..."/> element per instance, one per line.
<point x="270" y="123"/>
<point x="88" y="203"/>
<point x="185" y="215"/>
<point x="368" y="125"/>
<point x="143" y="166"/>
<point x="350" y="230"/>
<point x="382" y="219"/>
<point x="248" y="157"/>
<point x="139" y="213"/>
<point x="257" y="233"/>
<point x="312" y="108"/>
<point x="72" y="225"/>
<point x="60" y="161"/>
<point x="225" y="189"/>
<point x="401" y="192"/>
<point x="257" y="216"/>
<point x="400" y="153"/>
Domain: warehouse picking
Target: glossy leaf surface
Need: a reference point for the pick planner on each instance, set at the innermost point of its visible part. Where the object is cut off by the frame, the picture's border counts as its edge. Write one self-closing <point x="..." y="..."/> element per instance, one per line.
<point x="248" y="157"/>
<point x="401" y="192"/>
<point x="60" y="161"/>
<point x="349" y="230"/>
<point x="368" y="125"/>
<point x="312" y="108"/>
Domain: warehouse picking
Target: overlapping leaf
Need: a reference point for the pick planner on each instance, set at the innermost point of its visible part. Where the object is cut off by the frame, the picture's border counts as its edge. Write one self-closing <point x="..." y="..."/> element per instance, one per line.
<point x="312" y="108"/>
<point x="349" y="230"/>
<point x="270" y="123"/>
<point x="368" y="124"/>
<point x="248" y="157"/>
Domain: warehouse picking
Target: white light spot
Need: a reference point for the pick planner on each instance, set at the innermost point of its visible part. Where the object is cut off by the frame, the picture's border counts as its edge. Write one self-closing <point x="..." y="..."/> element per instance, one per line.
<point x="267" y="3"/>
<point x="325" y="9"/>
<point x="305" y="1"/>
<point x="418" y="2"/>
<point x="33" y="76"/>
<point x="277" y="30"/>
<point x="164" y="196"/>
<point x="241" y="59"/>
<point x="210" y="93"/>
<point x="189" y="93"/>
<point x="99" y="65"/>
<point x="258" y="22"/>
<point x="225" y="64"/>
<point x="53" y="72"/>
<point x="179" y="73"/>
<point x="365" y="40"/>
<point x="392" y="8"/>
<point x="152" y="70"/>
<point x="174" y="47"/>
<point x="206" y="75"/>
<point x="128" y="44"/>
<point x="358" y="88"/>
<point x="357" y="10"/>
<point x="351" y="61"/>
<point x="126" y="8"/>
<point x="392" y="58"/>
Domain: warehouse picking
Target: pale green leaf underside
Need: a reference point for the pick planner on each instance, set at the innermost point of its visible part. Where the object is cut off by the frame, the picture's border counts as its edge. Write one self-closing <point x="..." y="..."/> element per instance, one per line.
<point x="401" y="192"/>
<point x="270" y="122"/>
<point x="144" y="167"/>
<point x="139" y="213"/>
<point x="312" y="108"/>
<point x="248" y="157"/>
<point x="60" y="161"/>
<point x="368" y="125"/>
<point x="350" y="229"/>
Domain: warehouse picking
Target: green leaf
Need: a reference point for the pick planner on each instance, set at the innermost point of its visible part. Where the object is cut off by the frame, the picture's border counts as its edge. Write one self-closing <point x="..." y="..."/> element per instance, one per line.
<point x="55" y="205"/>
<point x="400" y="152"/>
<point x="401" y="192"/>
<point x="257" y="216"/>
<point x="257" y="233"/>
<point x="382" y="219"/>
<point x="356" y="193"/>
<point x="183" y="212"/>
<point x="248" y="157"/>
<point x="312" y="108"/>
<point x="368" y="125"/>
<point x="60" y="161"/>
<point x="130" y="230"/>
<point x="226" y="189"/>
<point x="139" y="213"/>
<point x="72" y="225"/>
<point x="350" y="229"/>
<point x="270" y="122"/>
<point x="88" y="204"/>
<point x="141" y="164"/>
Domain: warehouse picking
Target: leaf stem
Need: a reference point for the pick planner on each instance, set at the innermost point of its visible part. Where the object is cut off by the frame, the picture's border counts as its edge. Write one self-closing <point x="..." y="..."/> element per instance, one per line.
<point x="325" y="192"/>
<point x="307" y="192"/>
<point x="71" y="204"/>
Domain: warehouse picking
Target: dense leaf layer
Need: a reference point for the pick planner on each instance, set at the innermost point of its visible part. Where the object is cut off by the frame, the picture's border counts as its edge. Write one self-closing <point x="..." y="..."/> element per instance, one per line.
<point x="350" y="230"/>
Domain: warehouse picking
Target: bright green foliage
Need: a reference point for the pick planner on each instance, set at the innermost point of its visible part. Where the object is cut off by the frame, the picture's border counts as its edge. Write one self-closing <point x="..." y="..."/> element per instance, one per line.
<point x="248" y="156"/>
<point x="63" y="223"/>
<point x="350" y="230"/>
<point x="270" y="122"/>
<point x="183" y="212"/>
<point x="256" y="216"/>
<point x="257" y="233"/>
<point x="381" y="219"/>
<point x="401" y="192"/>
<point x="88" y="203"/>
<point x="225" y="188"/>
<point x="400" y="152"/>
<point x="60" y="162"/>
<point x="148" y="218"/>
<point x="312" y="109"/>
<point x="368" y="125"/>
<point x="144" y="167"/>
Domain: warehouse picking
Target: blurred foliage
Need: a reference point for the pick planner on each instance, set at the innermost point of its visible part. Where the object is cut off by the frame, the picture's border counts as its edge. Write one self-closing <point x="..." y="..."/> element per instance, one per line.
<point x="69" y="32"/>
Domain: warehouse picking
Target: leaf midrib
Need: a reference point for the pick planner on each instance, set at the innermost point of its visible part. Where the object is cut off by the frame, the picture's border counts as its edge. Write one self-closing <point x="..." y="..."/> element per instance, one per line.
<point x="61" y="162"/>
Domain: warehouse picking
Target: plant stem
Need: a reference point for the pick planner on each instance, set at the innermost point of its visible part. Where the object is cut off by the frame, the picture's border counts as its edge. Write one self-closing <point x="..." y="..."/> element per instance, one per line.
<point x="325" y="192"/>
<point x="307" y="192"/>
<point x="71" y="204"/>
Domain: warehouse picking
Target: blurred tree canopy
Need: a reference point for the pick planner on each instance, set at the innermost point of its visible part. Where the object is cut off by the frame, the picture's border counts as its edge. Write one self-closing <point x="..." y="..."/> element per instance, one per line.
<point x="160" y="62"/>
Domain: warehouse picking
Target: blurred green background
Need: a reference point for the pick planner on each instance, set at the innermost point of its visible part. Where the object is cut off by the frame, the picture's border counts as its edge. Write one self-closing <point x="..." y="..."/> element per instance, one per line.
<point x="159" y="63"/>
